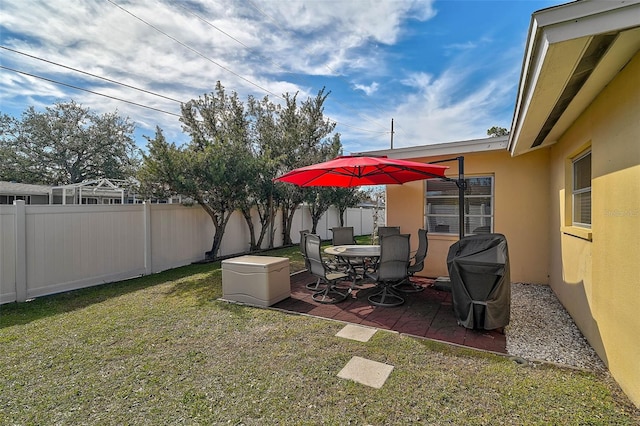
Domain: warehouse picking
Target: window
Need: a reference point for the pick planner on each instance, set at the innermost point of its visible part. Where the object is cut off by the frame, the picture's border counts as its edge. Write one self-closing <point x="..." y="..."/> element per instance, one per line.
<point x="442" y="206"/>
<point x="581" y="191"/>
<point x="9" y="199"/>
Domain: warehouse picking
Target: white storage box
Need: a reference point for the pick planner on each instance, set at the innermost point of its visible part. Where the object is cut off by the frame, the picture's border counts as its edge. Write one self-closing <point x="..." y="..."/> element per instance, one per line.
<point x="257" y="280"/>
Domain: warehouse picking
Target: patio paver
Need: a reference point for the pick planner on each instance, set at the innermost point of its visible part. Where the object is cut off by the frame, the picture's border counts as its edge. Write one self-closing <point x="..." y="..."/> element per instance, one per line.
<point x="428" y="314"/>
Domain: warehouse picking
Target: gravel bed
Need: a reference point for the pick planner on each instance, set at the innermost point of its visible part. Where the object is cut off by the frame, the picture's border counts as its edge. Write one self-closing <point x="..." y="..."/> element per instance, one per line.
<point x="541" y="329"/>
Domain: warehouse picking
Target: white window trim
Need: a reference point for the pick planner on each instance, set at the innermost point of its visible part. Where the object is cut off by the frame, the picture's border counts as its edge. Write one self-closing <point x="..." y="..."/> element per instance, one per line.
<point x="490" y="216"/>
<point x="580" y="191"/>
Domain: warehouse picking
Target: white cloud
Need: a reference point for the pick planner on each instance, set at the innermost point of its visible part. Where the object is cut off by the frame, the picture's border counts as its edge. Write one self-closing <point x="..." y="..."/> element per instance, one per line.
<point x="441" y="109"/>
<point x="270" y="49"/>
<point x="368" y="90"/>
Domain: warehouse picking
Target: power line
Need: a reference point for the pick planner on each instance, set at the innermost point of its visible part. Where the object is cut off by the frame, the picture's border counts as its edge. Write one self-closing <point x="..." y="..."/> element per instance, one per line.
<point x="87" y="90"/>
<point x="90" y="74"/>
<point x="272" y="19"/>
<point x="275" y="63"/>
<point x="194" y="50"/>
<point x="147" y="91"/>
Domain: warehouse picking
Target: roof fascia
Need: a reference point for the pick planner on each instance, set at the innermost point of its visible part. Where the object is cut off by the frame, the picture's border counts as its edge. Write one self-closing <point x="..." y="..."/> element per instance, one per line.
<point x="447" y="148"/>
<point x="559" y="24"/>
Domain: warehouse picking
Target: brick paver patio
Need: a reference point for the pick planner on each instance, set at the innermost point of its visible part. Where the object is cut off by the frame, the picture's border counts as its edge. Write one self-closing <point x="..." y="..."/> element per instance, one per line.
<point x="428" y="313"/>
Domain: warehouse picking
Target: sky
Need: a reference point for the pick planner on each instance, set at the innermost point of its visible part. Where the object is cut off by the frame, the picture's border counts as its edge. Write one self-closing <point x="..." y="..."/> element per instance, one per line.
<point x="443" y="71"/>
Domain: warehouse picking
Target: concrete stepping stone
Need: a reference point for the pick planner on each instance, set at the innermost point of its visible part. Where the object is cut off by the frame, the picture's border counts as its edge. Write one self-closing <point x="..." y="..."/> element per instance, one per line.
<point x="356" y="332"/>
<point x="366" y="372"/>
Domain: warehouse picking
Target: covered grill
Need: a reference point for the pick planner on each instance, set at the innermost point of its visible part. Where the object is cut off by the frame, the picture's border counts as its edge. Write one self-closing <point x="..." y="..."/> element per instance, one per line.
<point x="480" y="281"/>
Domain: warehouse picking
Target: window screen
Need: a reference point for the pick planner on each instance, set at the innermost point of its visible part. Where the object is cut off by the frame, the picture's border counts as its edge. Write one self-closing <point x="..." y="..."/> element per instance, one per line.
<point x="582" y="191"/>
<point x="442" y="206"/>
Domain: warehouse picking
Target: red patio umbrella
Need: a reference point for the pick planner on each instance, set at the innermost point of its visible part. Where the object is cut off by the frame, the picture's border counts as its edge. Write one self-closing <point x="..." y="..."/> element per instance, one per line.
<point x="350" y="171"/>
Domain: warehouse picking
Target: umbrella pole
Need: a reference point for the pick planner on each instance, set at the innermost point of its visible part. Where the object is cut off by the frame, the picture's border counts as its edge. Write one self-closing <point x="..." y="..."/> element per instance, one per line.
<point x="462" y="185"/>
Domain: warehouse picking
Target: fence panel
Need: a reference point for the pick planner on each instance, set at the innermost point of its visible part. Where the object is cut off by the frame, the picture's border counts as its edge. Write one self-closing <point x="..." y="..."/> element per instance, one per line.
<point x="7" y="254"/>
<point x="50" y="249"/>
<point x="70" y="247"/>
<point x="179" y="235"/>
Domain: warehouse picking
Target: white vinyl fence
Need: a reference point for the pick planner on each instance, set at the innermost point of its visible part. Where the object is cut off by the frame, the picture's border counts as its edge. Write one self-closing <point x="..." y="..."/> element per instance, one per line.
<point x="51" y="249"/>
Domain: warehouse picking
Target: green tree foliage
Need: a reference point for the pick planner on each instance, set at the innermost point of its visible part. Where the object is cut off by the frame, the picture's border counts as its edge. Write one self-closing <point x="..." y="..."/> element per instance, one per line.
<point x="214" y="169"/>
<point x="305" y="139"/>
<point x="233" y="156"/>
<point x="343" y="198"/>
<point x="496" y="131"/>
<point x="66" y="144"/>
<point x="319" y="200"/>
<point x="265" y="135"/>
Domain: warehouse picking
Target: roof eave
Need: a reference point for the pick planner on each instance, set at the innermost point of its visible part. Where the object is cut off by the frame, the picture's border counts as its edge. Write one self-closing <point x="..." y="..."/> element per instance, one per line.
<point x="443" y="149"/>
<point x="557" y="42"/>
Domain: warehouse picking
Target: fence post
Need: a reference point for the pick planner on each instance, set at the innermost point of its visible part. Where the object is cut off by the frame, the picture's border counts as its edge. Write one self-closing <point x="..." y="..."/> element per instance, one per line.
<point x="21" y="250"/>
<point x="148" y="267"/>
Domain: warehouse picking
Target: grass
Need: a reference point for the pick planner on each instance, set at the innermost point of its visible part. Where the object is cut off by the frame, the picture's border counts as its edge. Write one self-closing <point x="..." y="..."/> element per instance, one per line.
<point x="162" y="349"/>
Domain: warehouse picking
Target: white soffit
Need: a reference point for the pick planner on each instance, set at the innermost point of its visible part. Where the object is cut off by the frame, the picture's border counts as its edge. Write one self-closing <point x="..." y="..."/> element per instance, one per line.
<point x="558" y="39"/>
<point x="547" y="83"/>
<point x="616" y="58"/>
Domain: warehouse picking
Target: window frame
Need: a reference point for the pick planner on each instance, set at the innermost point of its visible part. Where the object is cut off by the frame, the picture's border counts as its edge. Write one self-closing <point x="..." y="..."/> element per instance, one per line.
<point x="482" y="218"/>
<point x="575" y="193"/>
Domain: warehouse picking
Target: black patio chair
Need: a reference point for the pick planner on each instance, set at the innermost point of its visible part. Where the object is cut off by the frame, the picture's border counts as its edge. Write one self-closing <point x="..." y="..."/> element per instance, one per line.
<point x="343" y="235"/>
<point x="325" y="275"/>
<point x="387" y="230"/>
<point x="391" y="269"/>
<point x="317" y="285"/>
<point x="407" y="286"/>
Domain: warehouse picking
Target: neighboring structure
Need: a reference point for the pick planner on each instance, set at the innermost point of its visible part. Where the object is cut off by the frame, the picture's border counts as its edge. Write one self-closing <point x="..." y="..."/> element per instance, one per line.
<point x="31" y="194"/>
<point x="96" y="191"/>
<point x="565" y="188"/>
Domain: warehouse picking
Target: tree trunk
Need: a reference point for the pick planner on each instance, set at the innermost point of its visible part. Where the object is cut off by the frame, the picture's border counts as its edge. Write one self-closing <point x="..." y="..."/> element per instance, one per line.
<point x="246" y="213"/>
<point x="265" y="215"/>
<point x="219" y="224"/>
<point x="341" y="211"/>
<point x="287" y="216"/>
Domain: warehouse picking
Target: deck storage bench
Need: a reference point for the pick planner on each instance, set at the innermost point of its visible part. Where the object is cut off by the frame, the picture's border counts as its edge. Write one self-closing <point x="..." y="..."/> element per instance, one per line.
<point x="256" y="280"/>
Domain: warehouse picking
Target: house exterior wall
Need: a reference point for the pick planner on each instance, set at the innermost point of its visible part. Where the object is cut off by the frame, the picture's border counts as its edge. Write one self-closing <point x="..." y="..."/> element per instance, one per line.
<point x="598" y="278"/>
<point x="521" y="211"/>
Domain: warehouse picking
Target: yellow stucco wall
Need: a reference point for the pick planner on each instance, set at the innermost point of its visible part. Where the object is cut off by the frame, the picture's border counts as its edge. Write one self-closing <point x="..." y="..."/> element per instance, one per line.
<point x="521" y="211"/>
<point x="598" y="279"/>
<point x="595" y="273"/>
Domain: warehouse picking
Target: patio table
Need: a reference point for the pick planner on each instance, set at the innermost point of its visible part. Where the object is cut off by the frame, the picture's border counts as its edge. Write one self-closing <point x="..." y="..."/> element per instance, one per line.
<point x="349" y="252"/>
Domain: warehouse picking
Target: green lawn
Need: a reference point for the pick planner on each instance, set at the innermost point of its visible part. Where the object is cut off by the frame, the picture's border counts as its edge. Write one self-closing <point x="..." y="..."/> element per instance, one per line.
<point x="162" y="349"/>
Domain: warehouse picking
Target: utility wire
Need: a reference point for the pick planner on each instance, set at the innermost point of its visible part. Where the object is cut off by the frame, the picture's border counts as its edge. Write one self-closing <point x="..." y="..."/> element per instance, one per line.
<point x="272" y="19"/>
<point x="179" y="4"/>
<point x="109" y="80"/>
<point x="194" y="50"/>
<point x="90" y="74"/>
<point x="150" y="92"/>
<point x="87" y="90"/>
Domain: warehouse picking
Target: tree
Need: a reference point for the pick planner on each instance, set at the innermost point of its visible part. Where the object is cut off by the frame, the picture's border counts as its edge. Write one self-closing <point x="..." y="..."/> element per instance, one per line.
<point x="496" y="131"/>
<point x="343" y="198"/>
<point x="66" y="144"/>
<point x="264" y="134"/>
<point x="319" y="200"/>
<point x="305" y="140"/>
<point x="214" y="168"/>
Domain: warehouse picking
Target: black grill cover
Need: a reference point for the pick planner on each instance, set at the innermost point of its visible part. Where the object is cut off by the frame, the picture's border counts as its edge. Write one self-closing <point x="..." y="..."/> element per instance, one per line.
<point x="480" y="281"/>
